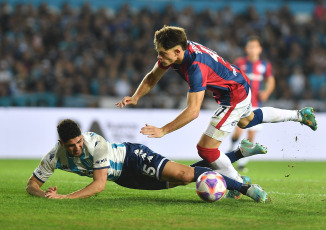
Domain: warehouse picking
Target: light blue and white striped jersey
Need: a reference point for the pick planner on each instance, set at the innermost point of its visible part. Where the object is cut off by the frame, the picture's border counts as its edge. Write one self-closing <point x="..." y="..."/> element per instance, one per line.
<point x="97" y="153"/>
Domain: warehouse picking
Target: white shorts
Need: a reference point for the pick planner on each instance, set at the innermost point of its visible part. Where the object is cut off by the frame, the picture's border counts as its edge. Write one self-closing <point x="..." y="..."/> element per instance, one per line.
<point x="226" y="118"/>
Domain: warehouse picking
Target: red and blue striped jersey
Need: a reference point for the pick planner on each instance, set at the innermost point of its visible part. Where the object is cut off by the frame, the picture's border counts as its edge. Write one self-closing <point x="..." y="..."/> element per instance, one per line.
<point x="257" y="72"/>
<point x="203" y="69"/>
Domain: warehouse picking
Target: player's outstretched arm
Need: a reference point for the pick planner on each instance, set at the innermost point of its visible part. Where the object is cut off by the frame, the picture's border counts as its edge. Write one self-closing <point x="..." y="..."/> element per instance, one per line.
<point x="98" y="185"/>
<point x="34" y="187"/>
<point x="145" y="86"/>
<point x="194" y="101"/>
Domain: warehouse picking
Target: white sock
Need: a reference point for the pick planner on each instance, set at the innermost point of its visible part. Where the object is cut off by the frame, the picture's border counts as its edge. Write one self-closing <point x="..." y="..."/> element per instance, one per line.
<point x="224" y="166"/>
<point x="272" y="115"/>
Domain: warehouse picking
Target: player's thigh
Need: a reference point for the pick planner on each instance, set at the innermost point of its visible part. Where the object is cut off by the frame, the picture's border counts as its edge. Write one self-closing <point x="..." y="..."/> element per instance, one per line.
<point x="176" y="172"/>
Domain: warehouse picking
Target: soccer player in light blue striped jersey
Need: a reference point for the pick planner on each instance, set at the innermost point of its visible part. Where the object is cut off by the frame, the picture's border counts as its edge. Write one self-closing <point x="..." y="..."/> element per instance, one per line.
<point x="127" y="164"/>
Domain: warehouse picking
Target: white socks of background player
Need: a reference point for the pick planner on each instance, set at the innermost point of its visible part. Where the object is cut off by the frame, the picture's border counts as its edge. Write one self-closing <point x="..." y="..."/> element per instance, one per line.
<point x="272" y="115"/>
<point x="224" y="166"/>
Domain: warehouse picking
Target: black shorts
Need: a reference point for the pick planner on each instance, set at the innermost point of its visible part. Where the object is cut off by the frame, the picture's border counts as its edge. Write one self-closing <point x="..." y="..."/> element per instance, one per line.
<point x="142" y="168"/>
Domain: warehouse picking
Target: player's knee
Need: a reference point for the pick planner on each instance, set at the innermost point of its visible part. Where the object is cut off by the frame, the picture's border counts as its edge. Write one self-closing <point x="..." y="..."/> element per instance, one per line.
<point x="208" y="154"/>
<point x="243" y="125"/>
<point x="184" y="176"/>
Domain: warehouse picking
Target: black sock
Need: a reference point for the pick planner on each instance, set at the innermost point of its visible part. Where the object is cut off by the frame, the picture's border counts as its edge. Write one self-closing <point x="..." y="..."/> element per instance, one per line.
<point x="199" y="171"/>
<point x="238" y="153"/>
<point x="244" y="188"/>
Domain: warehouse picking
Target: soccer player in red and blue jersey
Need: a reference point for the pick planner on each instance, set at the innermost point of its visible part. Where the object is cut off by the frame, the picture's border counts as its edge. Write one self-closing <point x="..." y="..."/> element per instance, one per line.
<point x="204" y="69"/>
<point x="262" y="84"/>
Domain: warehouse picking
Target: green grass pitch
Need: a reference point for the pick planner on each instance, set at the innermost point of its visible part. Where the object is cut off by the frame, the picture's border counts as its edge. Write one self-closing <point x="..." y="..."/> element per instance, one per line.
<point x="297" y="192"/>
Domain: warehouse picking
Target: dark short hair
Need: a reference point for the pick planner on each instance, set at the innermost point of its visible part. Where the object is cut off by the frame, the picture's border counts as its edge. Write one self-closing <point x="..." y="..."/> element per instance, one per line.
<point x="68" y="129"/>
<point x="170" y="36"/>
<point x="254" y="38"/>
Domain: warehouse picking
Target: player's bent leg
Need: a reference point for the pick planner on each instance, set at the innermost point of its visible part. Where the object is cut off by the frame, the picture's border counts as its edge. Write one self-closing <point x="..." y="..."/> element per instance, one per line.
<point x="305" y="116"/>
<point x="208" y="150"/>
<point x="175" y="172"/>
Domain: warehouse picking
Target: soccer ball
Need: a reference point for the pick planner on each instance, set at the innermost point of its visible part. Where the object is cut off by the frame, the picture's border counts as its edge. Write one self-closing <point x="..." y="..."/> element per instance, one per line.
<point x="210" y="186"/>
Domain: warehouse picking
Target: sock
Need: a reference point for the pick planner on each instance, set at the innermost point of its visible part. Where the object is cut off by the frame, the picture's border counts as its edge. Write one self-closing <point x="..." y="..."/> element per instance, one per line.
<point x="244" y="188"/>
<point x="208" y="154"/>
<point x="258" y="118"/>
<point x="201" y="163"/>
<point x="232" y="184"/>
<point x="234" y="155"/>
<point x="224" y="166"/>
<point x="199" y="171"/>
<point x="272" y="115"/>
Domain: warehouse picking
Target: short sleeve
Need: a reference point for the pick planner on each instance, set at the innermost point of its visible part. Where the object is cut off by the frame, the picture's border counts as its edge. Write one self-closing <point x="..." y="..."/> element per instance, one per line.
<point x="197" y="80"/>
<point x="101" y="154"/>
<point x="47" y="165"/>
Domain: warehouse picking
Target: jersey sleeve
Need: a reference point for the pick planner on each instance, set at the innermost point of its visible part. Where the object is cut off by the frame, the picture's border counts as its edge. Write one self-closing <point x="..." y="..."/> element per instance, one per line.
<point x="47" y="165"/>
<point x="101" y="154"/>
<point x="197" y="80"/>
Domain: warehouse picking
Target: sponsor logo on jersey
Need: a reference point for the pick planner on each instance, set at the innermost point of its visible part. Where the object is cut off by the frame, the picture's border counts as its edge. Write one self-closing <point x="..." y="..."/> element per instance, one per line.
<point x="101" y="161"/>
<point x="51" y="156"/>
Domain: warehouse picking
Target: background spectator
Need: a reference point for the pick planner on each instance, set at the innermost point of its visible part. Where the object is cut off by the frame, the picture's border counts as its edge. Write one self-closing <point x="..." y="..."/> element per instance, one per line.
<point x="85" y="54"/>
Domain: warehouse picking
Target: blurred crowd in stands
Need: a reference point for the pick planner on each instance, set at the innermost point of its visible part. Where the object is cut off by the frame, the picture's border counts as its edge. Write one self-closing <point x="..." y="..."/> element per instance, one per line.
<point x="72" y="57"/>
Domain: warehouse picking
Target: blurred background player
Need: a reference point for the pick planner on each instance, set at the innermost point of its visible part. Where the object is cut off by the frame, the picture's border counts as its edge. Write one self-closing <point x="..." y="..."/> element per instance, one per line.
<point x="262" y="84"/>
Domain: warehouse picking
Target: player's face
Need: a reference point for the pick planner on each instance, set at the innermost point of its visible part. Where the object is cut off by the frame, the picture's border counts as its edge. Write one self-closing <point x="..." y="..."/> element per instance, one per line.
<point x="74" y="146"/>
<point x="167" y="57"/>
<point x="253" y="49"/>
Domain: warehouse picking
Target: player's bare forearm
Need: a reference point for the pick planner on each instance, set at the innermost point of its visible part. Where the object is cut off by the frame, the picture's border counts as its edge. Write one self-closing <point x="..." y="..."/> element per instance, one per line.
<point x="90" y="190"/>
<point x="194" y="101"/>
<point x="184" y="118"/>
<point x="34" y="188"/>
<point x="98" y="185"/>
<point x="145" y="86"/>
<point x="187" y="115"/>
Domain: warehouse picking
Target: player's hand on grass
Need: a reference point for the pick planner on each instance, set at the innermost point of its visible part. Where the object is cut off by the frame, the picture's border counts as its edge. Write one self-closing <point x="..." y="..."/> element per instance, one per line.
<point x="51" y="193"/>
<point x="126" y="101"/>
<point x="152" y="131"/>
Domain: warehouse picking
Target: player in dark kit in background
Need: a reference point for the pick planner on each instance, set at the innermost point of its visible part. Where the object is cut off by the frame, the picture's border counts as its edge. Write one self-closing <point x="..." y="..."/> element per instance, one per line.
<point x="262" y="84"/>
<point x="204" y="69"/>
<point x="127" y="164"/>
